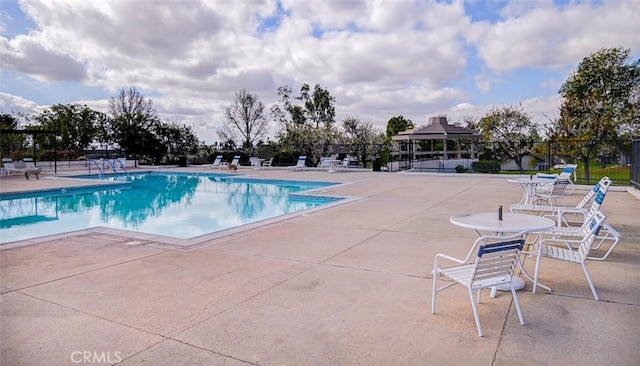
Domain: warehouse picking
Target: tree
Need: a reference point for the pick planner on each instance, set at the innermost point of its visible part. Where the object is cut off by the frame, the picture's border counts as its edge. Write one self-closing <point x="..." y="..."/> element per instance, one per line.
<point x="361" y="139"/>
<point x="11" y="143"/>
<point x="104" y="130"/>
<point x="396" y="125"/>
<point x="134" y="119"/>
<point x="245" y="117"/>
<point x="510" y="133"/>
<point x="307" y="129"/>
<point x="319" y="109"/>
<point x="177" y="138"/>
<point x="601" y="101"/>
<point x="76" y="125"/>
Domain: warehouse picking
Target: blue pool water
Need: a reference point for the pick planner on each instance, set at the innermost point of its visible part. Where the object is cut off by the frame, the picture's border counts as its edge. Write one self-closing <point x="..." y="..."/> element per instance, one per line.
<point x="179" y="205"/>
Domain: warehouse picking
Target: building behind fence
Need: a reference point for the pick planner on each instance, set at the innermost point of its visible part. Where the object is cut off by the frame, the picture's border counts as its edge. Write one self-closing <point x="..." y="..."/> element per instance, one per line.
<point x="612" y="159"/>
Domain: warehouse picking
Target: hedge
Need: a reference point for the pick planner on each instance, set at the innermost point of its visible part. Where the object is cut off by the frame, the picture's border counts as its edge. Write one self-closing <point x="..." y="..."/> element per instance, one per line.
<point x="486" y="166"/>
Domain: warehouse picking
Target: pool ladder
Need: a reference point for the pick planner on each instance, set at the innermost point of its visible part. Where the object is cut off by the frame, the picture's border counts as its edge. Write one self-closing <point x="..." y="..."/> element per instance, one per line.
<point x="102" y="164"/>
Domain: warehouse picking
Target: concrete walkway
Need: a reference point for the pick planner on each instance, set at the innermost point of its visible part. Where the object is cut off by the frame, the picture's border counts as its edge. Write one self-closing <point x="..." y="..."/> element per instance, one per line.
<point x="348" y="285"/>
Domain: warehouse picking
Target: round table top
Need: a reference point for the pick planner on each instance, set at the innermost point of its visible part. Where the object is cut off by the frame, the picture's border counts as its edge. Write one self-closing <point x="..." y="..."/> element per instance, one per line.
<point x="510" y="223"/>
<point x="530" y="181"/>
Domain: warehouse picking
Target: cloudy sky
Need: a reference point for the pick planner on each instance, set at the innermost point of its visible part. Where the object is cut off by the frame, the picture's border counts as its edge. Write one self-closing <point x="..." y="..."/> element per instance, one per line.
<point x="379" y="58"/>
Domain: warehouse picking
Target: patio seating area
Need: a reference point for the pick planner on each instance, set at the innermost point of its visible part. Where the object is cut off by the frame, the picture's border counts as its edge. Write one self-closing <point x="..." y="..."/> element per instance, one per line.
<point x="348" y="285"/>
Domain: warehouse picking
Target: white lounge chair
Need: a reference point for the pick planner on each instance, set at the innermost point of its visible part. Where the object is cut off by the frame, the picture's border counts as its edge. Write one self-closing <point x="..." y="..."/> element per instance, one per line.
<point x="29" y="163"/>
<point x="568" y="172"/>
<point x="301" y="164"/>
<point x="542" y="209"/>
<point x="571" y="249"/>
<point x="217" y="163"/>
<point x="553" y="196"/>
<point x="591" y="203"/>
<point x="235" y="161"/>
<point x="10" y="167"/>
<point x="490" y="262"/>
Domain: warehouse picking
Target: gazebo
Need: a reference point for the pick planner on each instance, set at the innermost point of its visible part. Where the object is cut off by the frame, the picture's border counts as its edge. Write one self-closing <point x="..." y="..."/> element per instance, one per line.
<point x="438" y="132"/>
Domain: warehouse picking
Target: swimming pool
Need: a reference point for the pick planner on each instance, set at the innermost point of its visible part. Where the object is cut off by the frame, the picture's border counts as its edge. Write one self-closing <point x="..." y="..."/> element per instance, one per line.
<point x="178" y="205"/>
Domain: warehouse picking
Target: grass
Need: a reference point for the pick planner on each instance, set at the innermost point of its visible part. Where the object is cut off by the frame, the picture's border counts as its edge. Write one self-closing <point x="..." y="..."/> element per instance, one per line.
<point x="620" y="175"/>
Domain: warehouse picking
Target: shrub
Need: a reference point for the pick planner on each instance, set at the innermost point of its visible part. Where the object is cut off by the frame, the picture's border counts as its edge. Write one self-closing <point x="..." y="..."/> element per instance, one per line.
<point x="486" y="166"/>
<point x="460" y="168"/>
<point x="197" y="160"/>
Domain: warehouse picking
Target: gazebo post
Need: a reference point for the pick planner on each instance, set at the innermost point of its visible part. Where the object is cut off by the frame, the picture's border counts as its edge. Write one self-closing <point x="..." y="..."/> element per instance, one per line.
<point x="445" y="153"/>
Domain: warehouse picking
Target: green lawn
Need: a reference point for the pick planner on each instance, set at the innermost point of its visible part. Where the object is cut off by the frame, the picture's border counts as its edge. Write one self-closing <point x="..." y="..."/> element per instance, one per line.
<point x="619" y="175"/>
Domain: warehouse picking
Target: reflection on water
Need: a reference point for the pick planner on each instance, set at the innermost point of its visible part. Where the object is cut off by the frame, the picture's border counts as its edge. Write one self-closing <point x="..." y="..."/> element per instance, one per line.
<point x="174" y="205"/>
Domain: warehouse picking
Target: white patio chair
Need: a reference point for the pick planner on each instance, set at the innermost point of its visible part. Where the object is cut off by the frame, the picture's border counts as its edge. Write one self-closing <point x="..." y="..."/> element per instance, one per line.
<point x="554" y="196"/>
<point x="491" y="262"/>
<point x="267" y="163"/>
<point x="256" y="162"/>
<point x="569" y="248"/>
<point x="325" y="162"/>
<point x="344" y="164"/>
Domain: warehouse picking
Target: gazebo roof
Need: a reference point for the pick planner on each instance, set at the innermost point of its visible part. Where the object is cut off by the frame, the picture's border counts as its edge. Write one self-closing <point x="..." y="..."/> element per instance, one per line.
<point x="438" y="129"/>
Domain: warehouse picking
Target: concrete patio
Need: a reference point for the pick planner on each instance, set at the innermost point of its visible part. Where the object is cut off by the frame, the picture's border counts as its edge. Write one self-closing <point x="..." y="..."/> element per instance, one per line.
<point x="348" y="285"/>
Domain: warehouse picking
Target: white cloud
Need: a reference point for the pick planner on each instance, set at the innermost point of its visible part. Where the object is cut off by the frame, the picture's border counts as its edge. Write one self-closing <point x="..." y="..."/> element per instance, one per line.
<point x="16" y="104"/>
<point x="26" y="55"/>
<point x="539" y="34"/>
<point x="541" y="109"/>
<point x="379" y="58"/>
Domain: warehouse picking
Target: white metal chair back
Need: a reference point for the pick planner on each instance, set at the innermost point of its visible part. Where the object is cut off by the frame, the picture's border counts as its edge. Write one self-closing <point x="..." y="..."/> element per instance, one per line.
<point x="324" y="162"/>
<point x="29" y="163"/>
<point x="256" y="162"/>
<point x="555" y="195"/>
<point x="596" y="195"/>
<point x="235" y="161"/>
<point x="569" y="171"/>
<point x="494" y="261"/>
<point x="217" y="163"/>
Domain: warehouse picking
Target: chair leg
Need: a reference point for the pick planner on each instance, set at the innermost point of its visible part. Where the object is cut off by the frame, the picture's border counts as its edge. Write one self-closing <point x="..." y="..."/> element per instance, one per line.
<point x="517" y="303"/>
<point x="537" y="269"/>
<point x="593" y="288"/>
<point x="475" y="312"/>
<point x="610" y="235"/>
<point x="433" y="292"/>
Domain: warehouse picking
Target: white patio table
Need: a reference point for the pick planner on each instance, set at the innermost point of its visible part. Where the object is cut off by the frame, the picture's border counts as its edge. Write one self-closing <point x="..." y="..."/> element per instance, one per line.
<point x="333" y="165"/>
<point x="510" y="223"/>
<point x="528" y="187"/>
